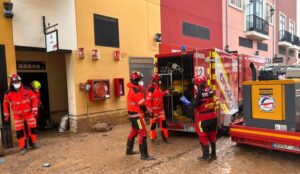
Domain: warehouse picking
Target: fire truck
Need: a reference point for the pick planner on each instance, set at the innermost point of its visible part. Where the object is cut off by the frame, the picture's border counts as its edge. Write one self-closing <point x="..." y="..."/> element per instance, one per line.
<point x="225" y="73"/>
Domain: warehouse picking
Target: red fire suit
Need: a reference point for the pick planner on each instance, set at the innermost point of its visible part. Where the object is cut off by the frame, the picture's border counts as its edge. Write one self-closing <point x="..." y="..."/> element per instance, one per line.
<point x="154" y="102"/>
<point x="38" y="97"/>
<point x="206" y="119"/>
<point x="24" y="108"/>
<point x="136" y="107"/>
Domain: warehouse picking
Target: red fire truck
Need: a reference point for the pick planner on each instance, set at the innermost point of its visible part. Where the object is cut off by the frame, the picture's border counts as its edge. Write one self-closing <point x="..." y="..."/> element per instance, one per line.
<point x="225" y="72"/>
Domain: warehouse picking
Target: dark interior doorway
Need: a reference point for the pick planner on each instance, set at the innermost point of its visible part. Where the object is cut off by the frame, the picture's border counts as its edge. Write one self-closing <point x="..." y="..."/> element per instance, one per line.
<point x="5" y="126"/>
<point x="27" y="78"/>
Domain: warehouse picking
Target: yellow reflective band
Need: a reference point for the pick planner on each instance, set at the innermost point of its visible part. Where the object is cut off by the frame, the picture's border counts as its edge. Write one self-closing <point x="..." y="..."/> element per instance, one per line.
<point x="208" y="82"/>
<point x="200" y="127"/>
<point x="213" y="87"/>
<point x="213" y="65"/>
<point x="213" y="54"/>
<point x="208" y="70"/>
<point x="213" y="76"/>
<point x="139" y="123"/>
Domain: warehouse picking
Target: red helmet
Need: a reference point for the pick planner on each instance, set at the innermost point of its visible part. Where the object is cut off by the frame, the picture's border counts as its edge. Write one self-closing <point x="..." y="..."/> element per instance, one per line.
<point x="199" y="80"/>
<point x="14" y="78"/>
<point x="156" y="77"/>
<point x="136" y="76"/>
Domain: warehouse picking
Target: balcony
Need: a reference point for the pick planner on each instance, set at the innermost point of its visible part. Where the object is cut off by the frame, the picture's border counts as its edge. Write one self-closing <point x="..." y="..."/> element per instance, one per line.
<point x="285" y="38"/>
<point x="295" y="42"/>
<point x="257" y="28"/>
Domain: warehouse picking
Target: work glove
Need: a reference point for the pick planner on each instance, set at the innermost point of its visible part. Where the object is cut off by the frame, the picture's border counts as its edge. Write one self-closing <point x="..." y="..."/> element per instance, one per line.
<point x="147" y="114"/>
<point x="184" y="101"/>
<point x="35" y="113"/>
<point x="6" y="118"/>
<point x="151" y="115"/>
<point x="167" y="92"/>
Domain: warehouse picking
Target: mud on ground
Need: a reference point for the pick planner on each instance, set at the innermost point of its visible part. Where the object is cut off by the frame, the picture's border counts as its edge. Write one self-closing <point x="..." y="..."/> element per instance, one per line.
<point x="91" y="153"/>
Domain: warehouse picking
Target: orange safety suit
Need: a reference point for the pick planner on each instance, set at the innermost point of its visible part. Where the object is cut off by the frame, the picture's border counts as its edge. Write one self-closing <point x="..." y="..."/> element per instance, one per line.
<point x="136" y="109"/>
<point x="154" y="102"/>
<point x="23" y="105"/>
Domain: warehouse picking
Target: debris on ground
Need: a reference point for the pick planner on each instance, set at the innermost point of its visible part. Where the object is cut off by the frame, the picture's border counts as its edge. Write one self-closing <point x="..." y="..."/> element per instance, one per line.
<point x="102" y="127"/>
<point x="46" y="165"/>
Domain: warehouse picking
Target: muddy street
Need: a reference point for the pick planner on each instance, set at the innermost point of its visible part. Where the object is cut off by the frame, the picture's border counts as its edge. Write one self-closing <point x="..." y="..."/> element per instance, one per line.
<point x="105" y="153"/>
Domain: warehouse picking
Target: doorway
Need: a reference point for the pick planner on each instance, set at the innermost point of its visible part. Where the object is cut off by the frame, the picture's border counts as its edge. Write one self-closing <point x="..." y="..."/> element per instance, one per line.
<point x="42" y="77"/>
<point x="143" y="65"/>
<point x="5" y="127"/>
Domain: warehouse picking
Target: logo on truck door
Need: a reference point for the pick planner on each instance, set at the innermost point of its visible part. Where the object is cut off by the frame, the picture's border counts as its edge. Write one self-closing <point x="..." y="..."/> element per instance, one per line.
<point x="266" y="103"/>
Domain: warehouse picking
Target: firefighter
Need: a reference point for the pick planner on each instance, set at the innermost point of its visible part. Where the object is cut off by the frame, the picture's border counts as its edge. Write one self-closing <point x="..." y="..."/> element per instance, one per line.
<point x="24" y="109"/>
<point x="206" y="120"/>
<point x="136" y="111"/>
<point x="154" y="102"/>
<point x="36" y="86"/>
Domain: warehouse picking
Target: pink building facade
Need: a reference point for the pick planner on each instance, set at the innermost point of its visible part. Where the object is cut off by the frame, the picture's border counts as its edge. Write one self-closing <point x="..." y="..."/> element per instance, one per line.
<point x="248" y="27"/>
<point x="287" y="42"/>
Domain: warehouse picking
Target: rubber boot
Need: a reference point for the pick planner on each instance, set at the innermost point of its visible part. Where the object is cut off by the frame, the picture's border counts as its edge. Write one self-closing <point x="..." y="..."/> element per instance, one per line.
<point x="23" y="151"/>
<point x="129" y="149"/>
<point x="154" y="141"/>
<point x="205" y="151"/>
<point x="165" y="139"/>
<point x="213" y="155"/>
<point x="144" y="151"/>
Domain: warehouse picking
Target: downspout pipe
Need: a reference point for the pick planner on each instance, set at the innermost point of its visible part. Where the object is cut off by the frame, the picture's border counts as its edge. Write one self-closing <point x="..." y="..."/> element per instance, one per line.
<point x="226" y="26"/>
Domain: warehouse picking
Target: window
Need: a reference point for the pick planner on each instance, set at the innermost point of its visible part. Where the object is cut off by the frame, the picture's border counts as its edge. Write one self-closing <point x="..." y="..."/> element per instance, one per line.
<point x="262" y="46"/>
<point x="282" y="50"/>
<point x="245" y="42"/>
<point x="291" y="53"/>
<point x="258" y="8"/>
<point x="195" y="31"/>
<point x="106" y="30"/>
<point x="269" y="18"/>
<point x="292" y="27"/>
<point x="281" y="26"/>
<point x="237" y="3"/>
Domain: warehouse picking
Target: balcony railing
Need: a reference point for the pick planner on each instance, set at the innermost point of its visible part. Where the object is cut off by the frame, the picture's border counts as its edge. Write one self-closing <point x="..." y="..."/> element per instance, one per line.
<point x="285" y="36"/>
<point x="255" y="23"/>
<point x="295" y="40"/>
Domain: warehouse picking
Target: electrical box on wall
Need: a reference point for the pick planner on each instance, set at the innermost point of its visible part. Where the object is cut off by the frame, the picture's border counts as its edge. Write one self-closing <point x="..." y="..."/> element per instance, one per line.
<point x="119" y="87"/>
<point x="99" y="90"/>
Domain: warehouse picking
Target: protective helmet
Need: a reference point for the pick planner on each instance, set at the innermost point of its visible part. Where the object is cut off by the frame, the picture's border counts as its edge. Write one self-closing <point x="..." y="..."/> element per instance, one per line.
<point x="136" y="76"/>
<point x="14" y="78"/>
<point x="199" y="80"/>
<point x="156" y="77"/>
<point x="36" y="84"/>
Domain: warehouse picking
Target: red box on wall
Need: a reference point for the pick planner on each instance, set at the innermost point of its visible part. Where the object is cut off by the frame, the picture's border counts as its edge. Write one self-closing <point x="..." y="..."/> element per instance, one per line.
<point x="116" y="55"/>
<point x="100" y="89"/>
<point x="119" y="87"/>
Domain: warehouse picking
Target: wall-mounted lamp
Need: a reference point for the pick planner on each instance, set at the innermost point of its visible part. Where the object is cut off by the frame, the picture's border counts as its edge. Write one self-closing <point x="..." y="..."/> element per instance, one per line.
<point x="157" y="37"/>
<point x="8" y="6"/>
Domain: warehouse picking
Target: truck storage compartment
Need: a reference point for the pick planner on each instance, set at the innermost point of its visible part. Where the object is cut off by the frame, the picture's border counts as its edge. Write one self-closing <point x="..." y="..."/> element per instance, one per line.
<point x="177" y="75"/>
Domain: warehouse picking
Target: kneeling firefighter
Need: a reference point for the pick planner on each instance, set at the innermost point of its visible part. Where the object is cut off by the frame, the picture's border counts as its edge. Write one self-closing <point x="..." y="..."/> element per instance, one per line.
<point x="154" y="102"/>
<point x="206" y="119"/>
<point x="136" y="111"/>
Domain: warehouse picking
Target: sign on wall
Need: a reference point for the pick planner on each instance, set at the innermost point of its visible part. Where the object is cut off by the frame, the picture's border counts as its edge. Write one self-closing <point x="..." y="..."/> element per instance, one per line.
<point x="52" y="41"/>
<point x="31" y="65"/>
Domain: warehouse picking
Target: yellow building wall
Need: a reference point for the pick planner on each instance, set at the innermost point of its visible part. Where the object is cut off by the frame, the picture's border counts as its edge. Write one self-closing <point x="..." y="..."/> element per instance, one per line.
<point x="6" y="38"/>
<point x="139" y="21"/>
